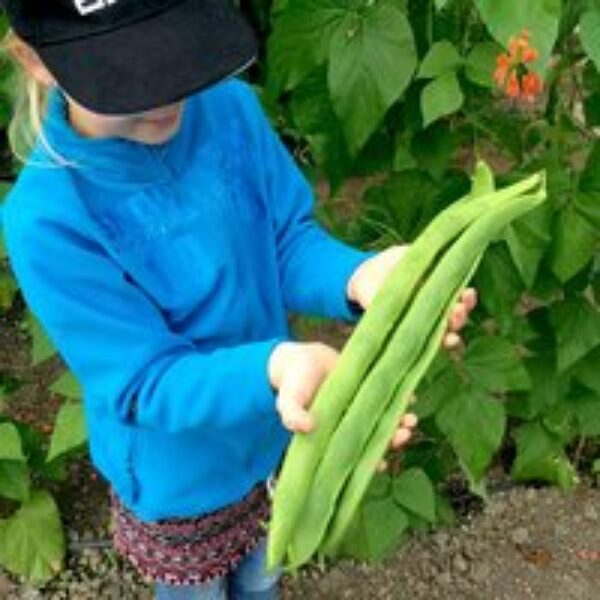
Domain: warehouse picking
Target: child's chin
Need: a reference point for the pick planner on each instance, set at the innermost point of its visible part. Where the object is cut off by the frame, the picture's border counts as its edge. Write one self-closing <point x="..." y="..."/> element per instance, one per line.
<point x="157" y="135"/>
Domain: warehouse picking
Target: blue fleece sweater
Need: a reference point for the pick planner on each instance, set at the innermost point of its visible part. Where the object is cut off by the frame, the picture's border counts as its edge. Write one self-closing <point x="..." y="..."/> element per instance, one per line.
<point x="163" y="275"/>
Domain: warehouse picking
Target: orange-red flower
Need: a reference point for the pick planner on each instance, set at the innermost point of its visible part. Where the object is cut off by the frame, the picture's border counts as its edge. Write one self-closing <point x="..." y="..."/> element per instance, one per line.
<point x="531" y="86"/>
<point x="512" y="72"/>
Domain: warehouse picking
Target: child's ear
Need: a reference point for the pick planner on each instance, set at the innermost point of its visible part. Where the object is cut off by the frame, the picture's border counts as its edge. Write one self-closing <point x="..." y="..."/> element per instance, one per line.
<point x="31" y="62"/>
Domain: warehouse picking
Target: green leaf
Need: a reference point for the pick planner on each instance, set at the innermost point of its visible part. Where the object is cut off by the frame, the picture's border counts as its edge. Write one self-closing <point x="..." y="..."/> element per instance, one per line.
<point x="586" y="371"/>
<point x="414" y="491"/>
<point x="8" y="290"/>
<point x="69" y="430"/>
<point x="312" y="111"/>
<point x="10" y="443"/>
<point x="441" y="97"/>
<point x="575" y="242"/>
<point x="42" y="347"/>
<point x="14" y="471"/>
<point x="540" y="456"/>
<point x="589" y="31"/>
<point x="577" y="327"/>
<point x="481" y="62"/>
<point x="371" y="62"/>
<point x="391" y="205"/>
<point x="509" y="18"/>
<point x="66" y="385"/>
<point x="376" y="530"/>
<point x="528" y="239"/>
<point x="548" y="387"/>
<point x="14" y="480"/>
<point x="474" y="423"/>
<point x="590" y="177"/>
<point x="499" y="284"/>
<point x="588" y="206"/>
<point x="432" y="394"/>
<point x="434" y="149"/>
<point x="32" y="542"/>
<point x="443" y="57"/>
<point x="300" y="39"/>
<point x="494" y="364"/>
<point x="587" y="412"/>
<point x="559" y="420"/>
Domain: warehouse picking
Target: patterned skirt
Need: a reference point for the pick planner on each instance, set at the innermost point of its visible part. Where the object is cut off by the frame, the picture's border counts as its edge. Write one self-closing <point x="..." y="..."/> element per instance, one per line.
<point x="195" y="550"/>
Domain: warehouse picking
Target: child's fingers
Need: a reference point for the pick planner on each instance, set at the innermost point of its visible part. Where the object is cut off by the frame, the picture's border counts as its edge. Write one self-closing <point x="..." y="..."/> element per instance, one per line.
<point x="409" y="420"/>
<point x="452" y="340"/>
<point x="295" y="418"/>
<point x="458" y="317"/>
<point x="292" y="406"/>
<point x="469" y="298"/>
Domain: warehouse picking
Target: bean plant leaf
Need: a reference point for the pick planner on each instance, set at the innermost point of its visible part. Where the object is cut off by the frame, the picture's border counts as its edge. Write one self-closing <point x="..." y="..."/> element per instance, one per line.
<point x="528" y="239"/>
<point x="414" y="491"/>
<point x="300" y="39"/>
<point x="509" y="18"/>
<point x="10" y="443"/>
<point x="481" y="62"/>
<point x="68" y="386"/>
<point x="371" y="62"/>
<point x="577" y="327"/>
<point x="499" y="284"/>
<point x="575" y="241"/>
<point x="442" y="96"/>
<point x="376" y="529"/>
<point x="586" y="410"/>
<point x="42" y="347"/>
<point x="442" y="57"/>
<point x="586" y="371"/>
<point x="540" y="456"/>
<point x="14" y="472"/>
<point x="69" y="430"/>
<point x="590" y="177"/>
<point x="474" y="423"/>
<point x="32" y="541"/>
<point x="548" y="387"/>
<point x="312" y="112"/>
<point x="14" y="480"/>
<point x="8" y="290"/>
<point x="589" y="31"/>
<point x="494" y="364"/>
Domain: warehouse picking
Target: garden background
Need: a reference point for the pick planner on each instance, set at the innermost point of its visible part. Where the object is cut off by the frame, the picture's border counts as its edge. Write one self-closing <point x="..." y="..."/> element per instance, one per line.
<point x="386" y="106"/>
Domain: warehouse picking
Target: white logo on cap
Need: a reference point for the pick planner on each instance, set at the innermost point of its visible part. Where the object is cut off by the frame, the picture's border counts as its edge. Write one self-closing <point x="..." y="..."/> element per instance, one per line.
<point x="89" y="6"/>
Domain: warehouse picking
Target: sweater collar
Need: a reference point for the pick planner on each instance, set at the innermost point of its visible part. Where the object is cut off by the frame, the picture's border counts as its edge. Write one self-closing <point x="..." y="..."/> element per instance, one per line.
<point x="107" y="160"/>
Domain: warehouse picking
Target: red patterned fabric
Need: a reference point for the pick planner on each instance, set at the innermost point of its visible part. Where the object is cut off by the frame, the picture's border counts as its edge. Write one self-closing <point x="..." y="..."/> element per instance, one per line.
<point x="191" y="551"/>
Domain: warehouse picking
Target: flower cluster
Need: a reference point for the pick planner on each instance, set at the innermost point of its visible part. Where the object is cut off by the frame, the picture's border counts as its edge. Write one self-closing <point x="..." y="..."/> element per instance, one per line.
<point x="512" y="72"/>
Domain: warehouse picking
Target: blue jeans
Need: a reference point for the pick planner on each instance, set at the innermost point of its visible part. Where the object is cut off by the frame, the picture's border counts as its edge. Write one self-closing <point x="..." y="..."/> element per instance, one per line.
<point x="249" y="581"/>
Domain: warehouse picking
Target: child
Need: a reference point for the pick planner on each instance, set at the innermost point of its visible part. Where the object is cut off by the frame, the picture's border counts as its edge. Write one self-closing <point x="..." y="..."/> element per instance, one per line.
<point x="160" y="232"/>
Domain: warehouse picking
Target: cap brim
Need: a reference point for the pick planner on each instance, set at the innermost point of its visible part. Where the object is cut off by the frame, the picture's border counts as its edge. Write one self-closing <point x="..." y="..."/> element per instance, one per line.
<point x="154" y="62"/>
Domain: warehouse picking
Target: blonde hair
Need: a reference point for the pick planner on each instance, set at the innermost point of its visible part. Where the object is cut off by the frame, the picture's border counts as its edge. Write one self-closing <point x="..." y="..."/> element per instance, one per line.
<point x="29" y="105"/>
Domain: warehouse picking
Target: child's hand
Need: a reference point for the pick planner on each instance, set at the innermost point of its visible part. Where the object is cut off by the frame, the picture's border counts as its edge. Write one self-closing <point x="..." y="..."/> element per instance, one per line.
<point x="296" y="371"/>
<point x="371" y="274"/>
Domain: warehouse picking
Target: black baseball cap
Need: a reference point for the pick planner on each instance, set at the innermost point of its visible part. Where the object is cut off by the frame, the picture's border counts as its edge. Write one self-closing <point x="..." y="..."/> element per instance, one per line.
<point x="128" y="56"/>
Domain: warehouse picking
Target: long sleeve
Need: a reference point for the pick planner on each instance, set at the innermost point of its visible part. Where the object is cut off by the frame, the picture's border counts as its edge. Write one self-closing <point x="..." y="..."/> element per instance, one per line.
<point x="314" y="266"/>
<point x="116" y="342"/>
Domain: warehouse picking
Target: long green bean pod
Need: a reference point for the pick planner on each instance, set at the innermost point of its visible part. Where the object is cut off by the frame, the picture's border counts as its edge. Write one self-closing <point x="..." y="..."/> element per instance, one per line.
<point x="360" y="352"/>
<point x="430" y="304"/>
<point x="363" y="472"/>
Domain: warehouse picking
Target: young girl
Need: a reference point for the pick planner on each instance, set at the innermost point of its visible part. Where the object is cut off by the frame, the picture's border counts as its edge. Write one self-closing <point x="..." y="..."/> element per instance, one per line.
<point x="160" y="232"/>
